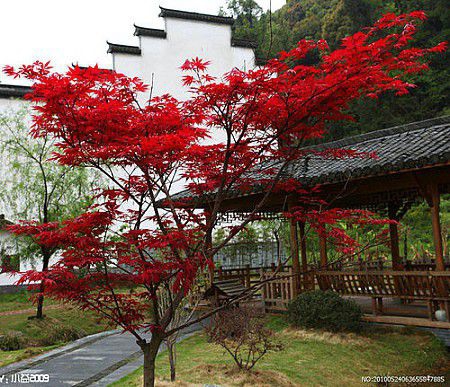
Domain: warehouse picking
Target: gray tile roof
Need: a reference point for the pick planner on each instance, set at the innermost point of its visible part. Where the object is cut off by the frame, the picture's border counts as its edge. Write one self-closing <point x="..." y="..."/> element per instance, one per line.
<point x="13" y="91"/>
<point x="174" y="13"/>
<point x="411" y="146"/>
<point x="247" y="43"/>
<point x="4" y="222"/>
<point x="123" y="49"/>
<point x="152" y="32"/>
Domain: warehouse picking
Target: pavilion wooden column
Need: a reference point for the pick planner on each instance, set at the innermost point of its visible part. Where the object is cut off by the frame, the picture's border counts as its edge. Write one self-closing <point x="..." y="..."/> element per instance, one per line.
<point x="303" y="254"/>
<point x="208" y="247"/>
<point x="323" y="252"/>
<point x="393" y="233"/>
<point x="436" y="223"/>
<point x="293" y="236"/>
<point x="306" y="277"/>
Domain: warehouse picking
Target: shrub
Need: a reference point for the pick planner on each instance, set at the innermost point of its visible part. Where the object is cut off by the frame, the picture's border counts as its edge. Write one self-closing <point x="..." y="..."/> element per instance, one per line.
<point x="325" y="310"/>
<point x="62" y="333"/>
<point x="11" y="342"/>
<point x="241" y="332"/>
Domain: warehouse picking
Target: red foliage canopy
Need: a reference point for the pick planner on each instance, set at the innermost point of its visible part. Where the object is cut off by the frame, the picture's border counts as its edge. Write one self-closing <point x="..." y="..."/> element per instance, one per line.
<point x="234" y="134"/>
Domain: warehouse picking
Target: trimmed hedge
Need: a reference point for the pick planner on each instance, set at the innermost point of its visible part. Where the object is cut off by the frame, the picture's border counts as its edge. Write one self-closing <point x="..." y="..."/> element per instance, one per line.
<point x="325" y="310"/>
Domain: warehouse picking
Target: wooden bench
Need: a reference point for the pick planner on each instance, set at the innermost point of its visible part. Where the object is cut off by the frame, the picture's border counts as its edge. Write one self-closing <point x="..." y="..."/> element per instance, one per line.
<point x="430" y="286"/>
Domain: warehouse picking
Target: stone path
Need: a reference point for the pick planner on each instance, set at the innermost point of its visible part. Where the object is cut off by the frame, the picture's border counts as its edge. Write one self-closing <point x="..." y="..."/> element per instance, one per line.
<point x="96" y="360"/>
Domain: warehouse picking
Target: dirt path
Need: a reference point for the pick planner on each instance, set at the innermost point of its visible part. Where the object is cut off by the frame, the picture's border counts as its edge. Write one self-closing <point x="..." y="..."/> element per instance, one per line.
<point x="29" y="310"/>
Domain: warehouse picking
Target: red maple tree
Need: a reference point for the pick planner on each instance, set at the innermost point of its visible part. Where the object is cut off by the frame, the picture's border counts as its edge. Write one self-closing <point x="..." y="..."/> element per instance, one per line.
<point x="138" y="234"/>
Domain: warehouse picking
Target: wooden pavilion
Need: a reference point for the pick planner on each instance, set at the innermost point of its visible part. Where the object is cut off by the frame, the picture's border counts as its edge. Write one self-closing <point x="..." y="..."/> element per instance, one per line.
<point x="413" y="164"/>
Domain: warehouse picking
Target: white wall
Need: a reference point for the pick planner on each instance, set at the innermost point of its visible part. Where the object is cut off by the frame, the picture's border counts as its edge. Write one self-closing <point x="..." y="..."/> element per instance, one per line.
<point x="185" y="39"/>
<point x="7" y="104"/>
<point x="8" y="247"/>
<point x="161" y="58"/>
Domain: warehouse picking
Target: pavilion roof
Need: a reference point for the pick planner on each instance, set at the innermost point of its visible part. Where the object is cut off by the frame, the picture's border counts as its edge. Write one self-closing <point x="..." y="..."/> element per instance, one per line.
<point x="14" y="91"/>
<point x="413" y="146"/>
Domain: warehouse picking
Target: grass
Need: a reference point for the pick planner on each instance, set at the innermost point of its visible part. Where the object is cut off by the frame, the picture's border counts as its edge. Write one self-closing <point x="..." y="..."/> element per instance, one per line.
<point x="8" y="357"/>
<point x="59" y="326"/>
<point x="309" y="358"/>
<point x="18" y="301"/>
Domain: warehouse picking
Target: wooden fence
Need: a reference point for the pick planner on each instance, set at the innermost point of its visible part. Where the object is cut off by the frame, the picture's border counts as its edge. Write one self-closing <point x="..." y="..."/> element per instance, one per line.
<point x="387" y="283"/>
<point x="279" y="288"/>
<point x="430" y="286"/>
<point x="247" y="275"/>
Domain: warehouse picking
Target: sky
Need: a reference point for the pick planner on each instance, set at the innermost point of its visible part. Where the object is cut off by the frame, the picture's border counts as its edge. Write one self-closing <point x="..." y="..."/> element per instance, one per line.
<point x="67" y="32"/>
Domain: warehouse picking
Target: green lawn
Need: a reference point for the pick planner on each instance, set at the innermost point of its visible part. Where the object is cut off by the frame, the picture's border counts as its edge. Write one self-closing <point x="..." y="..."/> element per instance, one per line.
<point x="18" y="301"/>
<point x="60" y="325"/>
<point x="309" y="358"/>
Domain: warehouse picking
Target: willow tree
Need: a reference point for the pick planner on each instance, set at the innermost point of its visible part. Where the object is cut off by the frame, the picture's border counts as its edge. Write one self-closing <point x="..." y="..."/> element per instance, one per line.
<point x="36" y="190"/>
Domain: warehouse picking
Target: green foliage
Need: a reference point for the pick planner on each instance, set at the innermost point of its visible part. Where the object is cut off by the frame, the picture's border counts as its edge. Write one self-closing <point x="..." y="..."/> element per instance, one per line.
<point x="324" y="310"/>
<point x="11" y="342"/>
<point x="334" y="19"/>
<point x="247" y="14"/>
<point x="32" y="187"/>
<point x="308" y="359"/>
<point x="416" y="227"/>
<point x="60" y="323"/>
<point x="346" y="18"/>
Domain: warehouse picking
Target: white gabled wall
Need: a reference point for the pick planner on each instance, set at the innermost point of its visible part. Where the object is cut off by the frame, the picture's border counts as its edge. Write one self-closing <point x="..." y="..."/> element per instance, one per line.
<point x="185" y="39"/>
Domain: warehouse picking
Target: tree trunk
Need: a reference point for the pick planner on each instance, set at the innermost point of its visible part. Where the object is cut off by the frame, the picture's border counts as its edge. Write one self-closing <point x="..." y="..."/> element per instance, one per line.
<point x="40" y="301"/>
<point x="171" y="347"/>
<point x="150" y="351"/>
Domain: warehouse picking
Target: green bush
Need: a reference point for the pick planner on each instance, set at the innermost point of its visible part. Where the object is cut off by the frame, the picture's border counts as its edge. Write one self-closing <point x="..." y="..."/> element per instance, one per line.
<point x="62" y="334"/>
<point x="325" y="310"/>
<point x="11" y="342"/>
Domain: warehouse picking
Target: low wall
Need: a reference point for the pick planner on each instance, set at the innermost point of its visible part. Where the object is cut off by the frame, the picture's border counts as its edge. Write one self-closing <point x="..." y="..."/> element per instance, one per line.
<point x="10" y="289"/>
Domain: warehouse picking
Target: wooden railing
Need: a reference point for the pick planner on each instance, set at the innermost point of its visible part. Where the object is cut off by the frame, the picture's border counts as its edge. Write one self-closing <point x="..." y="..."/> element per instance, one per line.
<point x="247" y="275"/>
<point x="279" y="288"/>
<point x="423" y="264"/>
<point x="388" y="283"/>
<point x="430" y="286"/>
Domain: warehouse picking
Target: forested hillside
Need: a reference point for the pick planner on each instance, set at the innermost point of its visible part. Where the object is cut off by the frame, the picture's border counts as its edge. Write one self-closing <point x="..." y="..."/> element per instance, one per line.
<point x="334" y="19"/>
